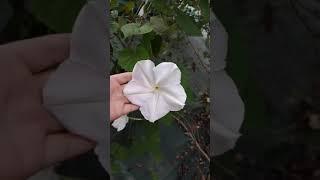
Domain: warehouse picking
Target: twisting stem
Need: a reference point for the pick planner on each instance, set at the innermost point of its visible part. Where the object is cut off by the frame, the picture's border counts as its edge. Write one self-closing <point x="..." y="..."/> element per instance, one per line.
<point x="192" y="138"/>
<point x="198" y="57"/>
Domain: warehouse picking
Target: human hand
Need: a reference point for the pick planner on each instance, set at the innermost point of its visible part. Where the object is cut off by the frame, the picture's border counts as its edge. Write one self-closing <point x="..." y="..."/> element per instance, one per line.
<point x="119" y="104"/>
<point x="30" y="137"/>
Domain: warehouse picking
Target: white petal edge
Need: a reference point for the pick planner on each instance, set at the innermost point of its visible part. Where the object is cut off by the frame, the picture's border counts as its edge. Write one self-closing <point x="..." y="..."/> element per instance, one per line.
<point x="167" y="73"/>
<point x="88" y="37"/>
<point x="120" y="123"/>
<point x="90" y="53"/>
<point x="143" y="73"/>
<point x="222" y="139"/>
<point x="154" y="104"/>
<point x="155" y="108"/>
<point x="227" y="111"/>
<point x="175" y="97"/>
<point x="218" y="43"/>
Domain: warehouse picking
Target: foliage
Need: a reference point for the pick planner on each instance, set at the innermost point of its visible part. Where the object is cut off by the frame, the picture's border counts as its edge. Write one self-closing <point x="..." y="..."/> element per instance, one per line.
<point x="145" y="150"/>
<point x="278" y="141"/>
<point x="59" y="15"/>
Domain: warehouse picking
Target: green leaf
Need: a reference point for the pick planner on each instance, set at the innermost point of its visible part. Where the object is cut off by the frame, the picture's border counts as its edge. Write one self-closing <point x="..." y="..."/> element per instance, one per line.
<point x="146" y="42"/>
<point x="152" y="43"/>
<point x="114" y="26"/>
<point x="167" y="120"/>
<point x="135" y="29"/>
<point x="186" y="85"/>
<point x="58" y="15"/>
<point x="129" y="57"/>
<point x="148" y="142"/>
<point x="156" y="44"/>
<point x="120" y="151"/>
<point x="129" y="6"/>
<point x="187" y="24"/>
<point x="114" y="4"/>
<point x="158" y="24"/>
<point x="162" y="7"/>
<point x="205" y="11"/>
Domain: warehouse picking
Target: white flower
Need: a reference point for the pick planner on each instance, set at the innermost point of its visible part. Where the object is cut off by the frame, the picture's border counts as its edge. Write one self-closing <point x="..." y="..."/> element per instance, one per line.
<point x="120" y="123"/>
<point x="156" y="89"/>
<point x="141" y="11"/>
<point x="76" y="92"/>
<point x="228" y="108"/>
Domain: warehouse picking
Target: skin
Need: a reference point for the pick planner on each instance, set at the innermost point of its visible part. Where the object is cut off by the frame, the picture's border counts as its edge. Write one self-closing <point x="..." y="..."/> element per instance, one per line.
<point x="30" y="137"/>
<point x="120" y="104"/>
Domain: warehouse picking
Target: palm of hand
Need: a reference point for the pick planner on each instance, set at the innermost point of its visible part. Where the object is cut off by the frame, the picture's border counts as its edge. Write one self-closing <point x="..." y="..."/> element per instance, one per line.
<point x="30" y="137"/>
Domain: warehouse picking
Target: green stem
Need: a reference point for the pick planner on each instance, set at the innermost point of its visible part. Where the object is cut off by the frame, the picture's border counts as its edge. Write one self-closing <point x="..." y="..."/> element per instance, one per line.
<point x="135" y="119"/>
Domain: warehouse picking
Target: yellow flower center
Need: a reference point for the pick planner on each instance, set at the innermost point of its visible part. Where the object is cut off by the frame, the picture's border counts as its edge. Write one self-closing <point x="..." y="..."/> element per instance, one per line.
<point x="156" y="87"/>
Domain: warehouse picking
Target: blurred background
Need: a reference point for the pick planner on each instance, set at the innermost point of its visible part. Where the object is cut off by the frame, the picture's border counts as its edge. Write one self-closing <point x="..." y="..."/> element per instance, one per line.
<point x="23" y="19"/>
<point x="274" y="59"/>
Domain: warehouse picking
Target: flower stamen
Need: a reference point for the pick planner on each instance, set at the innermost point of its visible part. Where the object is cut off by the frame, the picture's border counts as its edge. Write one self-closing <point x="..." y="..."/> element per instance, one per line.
<point x="156" y="87"/>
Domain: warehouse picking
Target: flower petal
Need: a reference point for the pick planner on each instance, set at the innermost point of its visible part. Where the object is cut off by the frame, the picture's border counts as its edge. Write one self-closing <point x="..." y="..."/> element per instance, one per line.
<point x="174" y="96"/>
<point x="120" y="123"/>
<point x="155" y="107"/>
<point x="80" y="105"/>
<point x="137" y="93"/>
<point x="219" y="43"/>
<point x="152" y="105"/>
<point x="222" y="138"/>
<point x="156" y="103"/>
<point x="141" y="12"/>
<point x="143" y="73"/>
<point x="167" y="73"/>
<point x="228" y="113"/>
<point x="88" y="45"/>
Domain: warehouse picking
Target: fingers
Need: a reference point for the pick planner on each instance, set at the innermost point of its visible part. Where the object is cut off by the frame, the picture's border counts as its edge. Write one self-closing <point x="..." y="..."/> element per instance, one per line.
<point x="41" y="80"/>
<point x="59" y="147"/>
<point x="124" y="99"/>
<point x="123" y="78"/>
<point x="129" y="108"/>
<point x="40" y="53"/>
<point x="51" y="124"/>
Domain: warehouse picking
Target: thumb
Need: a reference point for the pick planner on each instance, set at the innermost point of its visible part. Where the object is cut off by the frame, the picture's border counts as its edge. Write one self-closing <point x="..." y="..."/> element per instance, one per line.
<point x="60" y="147"/>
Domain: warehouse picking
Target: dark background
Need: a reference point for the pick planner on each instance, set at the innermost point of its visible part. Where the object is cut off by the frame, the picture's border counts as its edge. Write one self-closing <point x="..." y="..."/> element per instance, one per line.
<point x="23" y="19"/>
<point x="274" y="59"/>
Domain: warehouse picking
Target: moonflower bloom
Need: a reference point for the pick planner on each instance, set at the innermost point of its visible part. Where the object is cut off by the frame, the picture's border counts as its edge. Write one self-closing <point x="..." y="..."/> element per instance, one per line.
<point x="141" y="11"/>
<point x="227" y="106"/>
<point x="76" y="92"/>
<point x="156" y="89"/>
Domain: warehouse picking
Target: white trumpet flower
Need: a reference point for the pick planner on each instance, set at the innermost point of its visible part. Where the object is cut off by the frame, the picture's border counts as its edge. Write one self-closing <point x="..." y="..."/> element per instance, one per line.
<point x="227" y="106"/>
<point x="76" y="92"/>
<point x="141" y="11"/>
<point x="156" y="89"/>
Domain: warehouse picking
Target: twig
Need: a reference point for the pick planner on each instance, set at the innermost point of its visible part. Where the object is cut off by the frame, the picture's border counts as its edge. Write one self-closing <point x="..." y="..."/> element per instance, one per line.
<point x="199" y="58"/>
<point x="192" y="138"/>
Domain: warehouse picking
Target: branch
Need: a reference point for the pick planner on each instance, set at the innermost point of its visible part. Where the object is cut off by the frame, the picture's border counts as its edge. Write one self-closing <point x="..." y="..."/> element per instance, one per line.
<point x="192" y="138"/>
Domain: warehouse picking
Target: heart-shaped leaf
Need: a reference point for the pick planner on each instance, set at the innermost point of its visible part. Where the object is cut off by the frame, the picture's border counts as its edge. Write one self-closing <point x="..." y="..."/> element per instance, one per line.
<point x="135" y="29"/>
